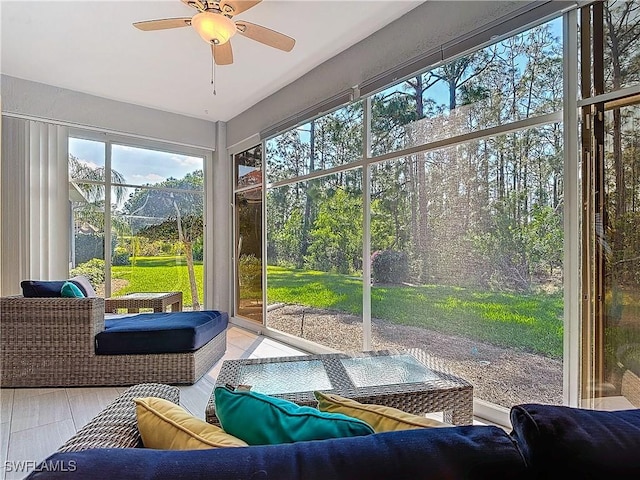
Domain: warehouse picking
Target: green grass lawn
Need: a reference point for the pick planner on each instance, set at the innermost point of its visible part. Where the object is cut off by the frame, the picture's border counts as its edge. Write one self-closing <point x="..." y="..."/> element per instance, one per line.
<point x="159" y="274"/>
<point x="531" y="322"/>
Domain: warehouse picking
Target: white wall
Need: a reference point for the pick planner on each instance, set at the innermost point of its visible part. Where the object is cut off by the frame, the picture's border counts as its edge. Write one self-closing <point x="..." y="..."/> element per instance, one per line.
<point x="219" y="223"/>
<point x="59" y="105"/>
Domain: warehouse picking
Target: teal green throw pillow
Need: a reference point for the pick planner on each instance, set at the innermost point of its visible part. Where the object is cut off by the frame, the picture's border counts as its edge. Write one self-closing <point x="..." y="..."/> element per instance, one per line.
<point x="70" y="290"/>
<point x="260" y="419"/>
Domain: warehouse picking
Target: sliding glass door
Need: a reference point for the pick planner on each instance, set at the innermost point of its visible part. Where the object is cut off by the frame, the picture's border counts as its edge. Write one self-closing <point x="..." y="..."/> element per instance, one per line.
<point x="248" y="214"/>
<point x="611" y="153"/>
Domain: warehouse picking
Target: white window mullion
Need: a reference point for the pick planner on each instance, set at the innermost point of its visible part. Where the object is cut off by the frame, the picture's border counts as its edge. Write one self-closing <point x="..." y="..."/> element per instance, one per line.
<point x="366" y="230"/>
<point x="107" y="220"/>
<point x="572" y="214"/>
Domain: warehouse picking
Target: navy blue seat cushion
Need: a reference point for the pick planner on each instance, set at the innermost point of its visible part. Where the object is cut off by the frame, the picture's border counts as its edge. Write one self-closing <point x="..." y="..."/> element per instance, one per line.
<point x="171" y="332"/>
<point x="469" y="453"/>
<point x="564" y="442"/>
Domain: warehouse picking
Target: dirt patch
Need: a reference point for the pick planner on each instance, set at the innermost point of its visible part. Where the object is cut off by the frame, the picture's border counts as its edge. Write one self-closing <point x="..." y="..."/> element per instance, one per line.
<point x="116" y="284"/>
<point x="504" y="376"/>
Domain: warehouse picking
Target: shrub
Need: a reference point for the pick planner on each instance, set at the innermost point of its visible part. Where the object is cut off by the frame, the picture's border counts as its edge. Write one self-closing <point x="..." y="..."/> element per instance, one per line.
<point x="93" y="270"/>
<point x="168" y="248"/>
<point x="389" y="266"/>
<point x="250" y="271"/>
<point x="143" y="247"/>
<point x="198" y="253"/>
<point x="120" y="257"/>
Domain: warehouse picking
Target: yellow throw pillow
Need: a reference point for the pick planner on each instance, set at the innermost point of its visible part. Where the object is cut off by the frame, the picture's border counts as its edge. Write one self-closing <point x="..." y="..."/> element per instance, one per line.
<point x="166" y="426"/>
<point x="381" y="418"/>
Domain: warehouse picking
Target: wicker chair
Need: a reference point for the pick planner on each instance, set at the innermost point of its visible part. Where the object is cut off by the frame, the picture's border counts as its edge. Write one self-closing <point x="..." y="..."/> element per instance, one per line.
<point x="631" y="387"/>
<point x="49" y="342"/>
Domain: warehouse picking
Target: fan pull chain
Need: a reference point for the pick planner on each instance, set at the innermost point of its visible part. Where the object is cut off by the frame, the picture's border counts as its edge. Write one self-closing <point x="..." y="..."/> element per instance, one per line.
<point x="213" y="75"/>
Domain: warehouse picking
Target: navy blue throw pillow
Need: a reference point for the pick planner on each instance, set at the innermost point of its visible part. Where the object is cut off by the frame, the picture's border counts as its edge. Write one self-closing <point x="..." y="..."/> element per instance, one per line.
<point x="52" y="288"/>
<point x="41" y="288"/>
<point x="561" y="442"/>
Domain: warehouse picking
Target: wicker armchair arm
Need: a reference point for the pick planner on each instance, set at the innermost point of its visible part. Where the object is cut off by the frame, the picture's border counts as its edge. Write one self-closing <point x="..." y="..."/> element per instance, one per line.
<point x="116" y="426"/>
<point x="50" y="325"/>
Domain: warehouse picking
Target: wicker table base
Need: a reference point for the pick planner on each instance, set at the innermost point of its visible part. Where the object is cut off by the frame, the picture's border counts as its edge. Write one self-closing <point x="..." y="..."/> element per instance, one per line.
<point x="133" y="302"/>
<point x="409" y="380"/>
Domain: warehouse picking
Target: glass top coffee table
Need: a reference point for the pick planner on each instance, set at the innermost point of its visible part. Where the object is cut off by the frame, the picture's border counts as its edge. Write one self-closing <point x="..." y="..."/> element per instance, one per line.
<point x="409" y="380"/>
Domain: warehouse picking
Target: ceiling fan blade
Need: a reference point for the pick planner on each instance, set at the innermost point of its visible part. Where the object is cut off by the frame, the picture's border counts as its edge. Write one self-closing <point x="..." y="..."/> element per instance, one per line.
<point x="195" y="4"/>
<point x="162" y="24"/>
<point x="222" y="54"/>
<point x="234" y="7"/>
<point x="265" y="35"/>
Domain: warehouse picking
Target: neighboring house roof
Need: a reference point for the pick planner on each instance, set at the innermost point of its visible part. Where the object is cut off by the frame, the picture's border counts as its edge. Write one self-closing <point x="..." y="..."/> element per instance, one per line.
<point x="75" y="194"/>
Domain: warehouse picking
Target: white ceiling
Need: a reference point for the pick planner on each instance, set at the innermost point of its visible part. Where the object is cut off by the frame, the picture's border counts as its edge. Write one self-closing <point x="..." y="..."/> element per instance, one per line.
<point x="92" y="47"/>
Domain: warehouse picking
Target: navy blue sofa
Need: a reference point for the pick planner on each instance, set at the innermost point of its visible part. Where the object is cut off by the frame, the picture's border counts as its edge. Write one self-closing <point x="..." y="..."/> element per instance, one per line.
<point x="547" y="442"/>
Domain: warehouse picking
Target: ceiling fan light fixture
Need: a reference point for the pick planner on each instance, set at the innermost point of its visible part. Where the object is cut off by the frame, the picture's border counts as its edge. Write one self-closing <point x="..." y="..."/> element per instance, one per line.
<point x="213" y="27"/>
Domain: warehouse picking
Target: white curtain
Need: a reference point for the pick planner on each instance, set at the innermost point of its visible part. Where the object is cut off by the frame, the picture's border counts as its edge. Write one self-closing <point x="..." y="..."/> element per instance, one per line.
<point x="34" y="214"/>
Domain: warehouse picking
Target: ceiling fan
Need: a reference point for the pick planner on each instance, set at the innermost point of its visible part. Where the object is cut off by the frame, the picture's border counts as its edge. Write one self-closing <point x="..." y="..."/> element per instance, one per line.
<point x="214" y="23"/>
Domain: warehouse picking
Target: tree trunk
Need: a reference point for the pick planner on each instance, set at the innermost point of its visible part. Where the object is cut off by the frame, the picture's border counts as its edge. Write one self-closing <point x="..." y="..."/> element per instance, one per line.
<point x="453" y="85"/>
<point x="616" y="37"/>
<point x="423" y="216"/>
<point x="501" y="175"/>
<point x="188" y="252"/>
<point x="621" y="203"/>
<point x="306" y="218"/>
